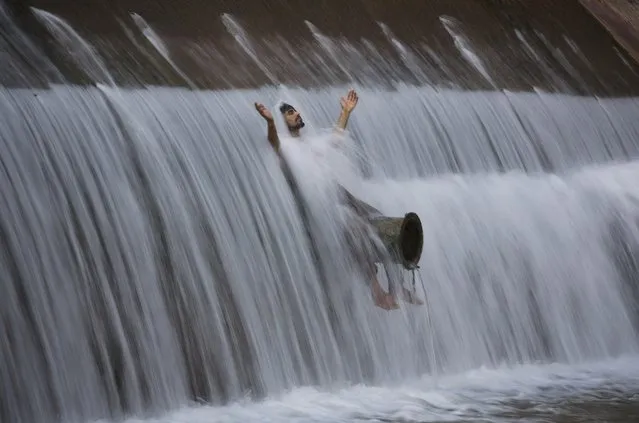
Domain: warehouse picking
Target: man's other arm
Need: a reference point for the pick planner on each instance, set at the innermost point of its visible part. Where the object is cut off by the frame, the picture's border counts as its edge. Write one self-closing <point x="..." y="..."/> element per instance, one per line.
<point x="272" y="136"/>
<point x="348" y="104"/>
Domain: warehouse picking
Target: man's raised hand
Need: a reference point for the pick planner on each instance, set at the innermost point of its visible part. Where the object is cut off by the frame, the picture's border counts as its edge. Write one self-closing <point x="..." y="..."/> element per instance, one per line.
<point x="350" y="101"/>
<point x="263" y="111"/>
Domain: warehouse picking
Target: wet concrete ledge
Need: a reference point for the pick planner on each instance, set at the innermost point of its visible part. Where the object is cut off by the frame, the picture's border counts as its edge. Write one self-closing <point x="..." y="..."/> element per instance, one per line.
<point x="519" y="45"/>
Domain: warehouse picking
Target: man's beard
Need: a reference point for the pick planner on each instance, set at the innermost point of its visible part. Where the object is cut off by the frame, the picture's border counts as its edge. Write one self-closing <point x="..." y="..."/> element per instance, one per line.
<point x="298" y="125"/>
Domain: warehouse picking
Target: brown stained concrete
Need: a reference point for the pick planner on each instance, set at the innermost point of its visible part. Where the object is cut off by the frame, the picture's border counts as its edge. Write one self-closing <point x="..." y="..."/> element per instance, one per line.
<point x="621" y="19"/>
<point x="566" y="50"/>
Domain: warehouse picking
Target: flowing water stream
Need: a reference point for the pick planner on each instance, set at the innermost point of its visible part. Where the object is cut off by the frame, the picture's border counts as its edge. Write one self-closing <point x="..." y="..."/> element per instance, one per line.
<point x="155" y="265"/>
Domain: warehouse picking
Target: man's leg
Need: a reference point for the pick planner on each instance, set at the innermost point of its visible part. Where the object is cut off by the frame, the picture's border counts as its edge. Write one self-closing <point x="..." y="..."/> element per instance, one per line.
<point x="411" y="297"/>
<point x="406" y="294"/>
<point x="358" y="239"/>
<point x="381" y="298"/>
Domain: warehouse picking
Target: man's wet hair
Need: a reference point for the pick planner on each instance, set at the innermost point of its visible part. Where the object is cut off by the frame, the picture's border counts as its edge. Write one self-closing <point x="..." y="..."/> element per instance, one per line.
<point x="285" y="107"/>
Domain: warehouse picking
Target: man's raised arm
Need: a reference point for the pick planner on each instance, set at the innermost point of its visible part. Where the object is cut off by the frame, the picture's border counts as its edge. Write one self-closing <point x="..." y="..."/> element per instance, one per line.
<point x="348" y="104"/>
<point x="270" y="125"/>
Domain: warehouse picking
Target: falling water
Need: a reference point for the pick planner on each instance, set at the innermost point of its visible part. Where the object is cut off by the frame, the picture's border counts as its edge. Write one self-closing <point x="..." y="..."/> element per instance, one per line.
<point x="158" y="45"/>
<point x="162" y="231"/>
<point x="244" y="42"/>
<point x="82" y="52"/>
<point x="155" y="256"/>
<point x="464" y="47"/>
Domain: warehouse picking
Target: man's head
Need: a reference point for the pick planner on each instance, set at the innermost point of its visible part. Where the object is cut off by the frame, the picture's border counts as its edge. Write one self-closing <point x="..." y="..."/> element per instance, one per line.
<point x="292" y="117"/>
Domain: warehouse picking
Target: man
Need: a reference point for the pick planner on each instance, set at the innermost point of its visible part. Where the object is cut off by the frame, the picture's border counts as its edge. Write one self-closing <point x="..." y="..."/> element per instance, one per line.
<point x="295" y="123"/>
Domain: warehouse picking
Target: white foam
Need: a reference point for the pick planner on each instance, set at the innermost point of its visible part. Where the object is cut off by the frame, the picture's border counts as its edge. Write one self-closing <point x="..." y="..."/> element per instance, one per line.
<point x="478" y="393"/>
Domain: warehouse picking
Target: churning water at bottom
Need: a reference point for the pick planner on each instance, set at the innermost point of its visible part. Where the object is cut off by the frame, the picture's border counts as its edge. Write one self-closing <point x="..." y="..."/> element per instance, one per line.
<point x="592" y="392"/>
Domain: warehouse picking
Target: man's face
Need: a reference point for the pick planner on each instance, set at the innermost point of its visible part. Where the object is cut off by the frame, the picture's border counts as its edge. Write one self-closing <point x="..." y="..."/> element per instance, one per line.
<point x="293" y="119"/>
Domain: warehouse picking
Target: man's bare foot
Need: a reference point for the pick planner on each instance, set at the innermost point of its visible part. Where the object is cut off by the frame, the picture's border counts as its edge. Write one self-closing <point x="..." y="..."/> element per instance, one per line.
<point x="386" y="301"/>
<point x="382" y="298"/>
<point x="411" y="297"/>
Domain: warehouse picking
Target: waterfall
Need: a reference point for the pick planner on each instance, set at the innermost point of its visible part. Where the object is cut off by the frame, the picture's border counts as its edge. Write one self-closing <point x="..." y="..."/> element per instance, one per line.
<point x="153" y="254"/>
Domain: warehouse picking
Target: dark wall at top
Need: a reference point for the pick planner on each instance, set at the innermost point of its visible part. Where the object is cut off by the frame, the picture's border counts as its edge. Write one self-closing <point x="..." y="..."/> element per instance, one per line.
<point x="565" y="48"/>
